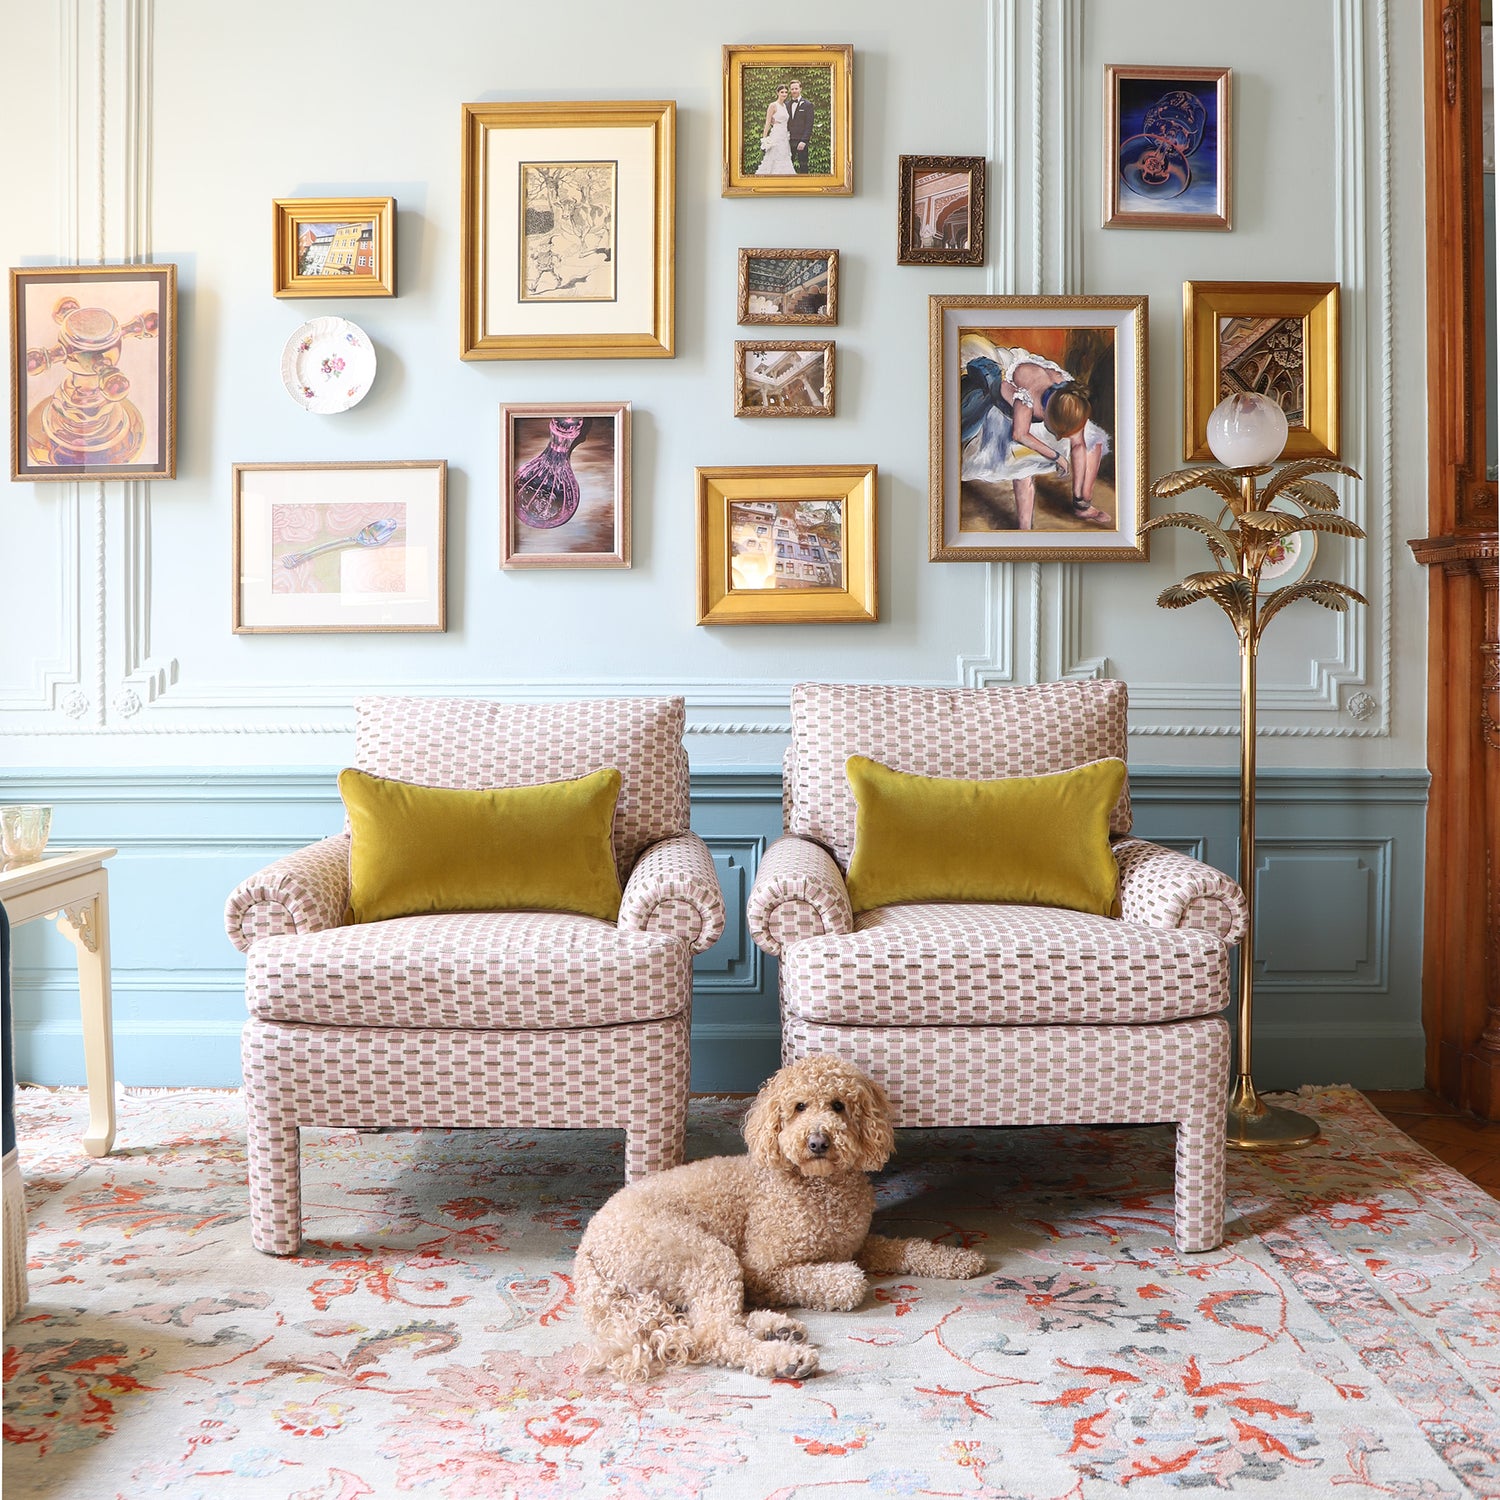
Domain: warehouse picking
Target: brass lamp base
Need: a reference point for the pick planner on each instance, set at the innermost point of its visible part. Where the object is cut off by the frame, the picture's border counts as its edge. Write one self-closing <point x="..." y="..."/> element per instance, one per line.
<point x="1257" y="1126"/>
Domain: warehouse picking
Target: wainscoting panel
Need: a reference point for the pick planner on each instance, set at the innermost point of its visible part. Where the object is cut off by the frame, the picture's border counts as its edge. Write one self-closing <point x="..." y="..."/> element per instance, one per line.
<point x="1338" y="963"/>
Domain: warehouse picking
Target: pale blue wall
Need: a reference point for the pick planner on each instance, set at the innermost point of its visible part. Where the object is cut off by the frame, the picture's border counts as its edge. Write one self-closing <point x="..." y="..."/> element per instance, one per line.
<point x="1338" y="978"/>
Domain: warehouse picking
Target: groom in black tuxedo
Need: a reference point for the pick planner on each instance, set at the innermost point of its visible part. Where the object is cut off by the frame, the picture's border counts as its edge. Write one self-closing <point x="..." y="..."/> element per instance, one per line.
<point x="799" y="124"/>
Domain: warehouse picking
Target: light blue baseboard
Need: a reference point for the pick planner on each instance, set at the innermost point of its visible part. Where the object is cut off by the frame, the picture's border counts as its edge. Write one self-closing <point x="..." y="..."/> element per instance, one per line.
<point x="1338" y="974"/>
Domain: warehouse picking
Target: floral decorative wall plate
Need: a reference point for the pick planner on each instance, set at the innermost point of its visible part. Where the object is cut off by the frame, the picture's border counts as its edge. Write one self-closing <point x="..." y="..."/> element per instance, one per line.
<point x="328" y="365"/>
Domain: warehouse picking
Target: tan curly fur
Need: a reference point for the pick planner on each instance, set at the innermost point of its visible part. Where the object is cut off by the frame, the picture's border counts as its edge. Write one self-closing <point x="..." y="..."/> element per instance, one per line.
<point x="668" y="1266"/>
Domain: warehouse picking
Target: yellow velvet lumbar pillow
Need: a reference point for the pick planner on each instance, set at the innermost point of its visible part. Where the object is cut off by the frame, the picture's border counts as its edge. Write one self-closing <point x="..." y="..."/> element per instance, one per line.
<point x="1043" y="840"/>
<point x="416" y="849"/>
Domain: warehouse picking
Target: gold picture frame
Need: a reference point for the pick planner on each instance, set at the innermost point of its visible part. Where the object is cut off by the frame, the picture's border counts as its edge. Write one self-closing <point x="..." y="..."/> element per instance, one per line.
<point x="940" y="211"/>
<point x="808" y="152"/>
<point x="788" y="286"/>
<point x="344" y="548"/>
<point x="1280" y="338"/>
<point x="565" y="484"/>
<point x="783" y="377"/>
<point x="93" y="366"/>
<point x="567" y="228"/>
<point x="334" y="247"/>
<point x="784" y="545"/>
<point x="1003" y="485"/>
<point x="1168" y="147"/>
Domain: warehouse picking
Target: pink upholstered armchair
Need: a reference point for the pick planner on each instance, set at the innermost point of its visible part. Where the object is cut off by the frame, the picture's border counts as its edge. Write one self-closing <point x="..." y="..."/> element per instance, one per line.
<point x="491" y="1018"/>
<point x="978" y="1014"/>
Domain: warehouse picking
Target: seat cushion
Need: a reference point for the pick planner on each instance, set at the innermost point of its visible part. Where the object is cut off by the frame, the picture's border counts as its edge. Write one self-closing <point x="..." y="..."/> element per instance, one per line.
<point x="470" y="971"/>
<point x="961" y="964"/>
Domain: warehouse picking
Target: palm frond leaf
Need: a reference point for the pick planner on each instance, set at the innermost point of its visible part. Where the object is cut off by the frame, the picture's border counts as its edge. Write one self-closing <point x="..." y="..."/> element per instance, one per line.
<point x="1208" y="476"/>
<point x="1219" y="543"/>
<point x="1300" y="470"/>
<point x="1313" y="493"/>
<point x="1175" y="596"/>
<point x="1271" y="522"/>
<point x="1336" y="525"/>
<point x="1334" y="596"/>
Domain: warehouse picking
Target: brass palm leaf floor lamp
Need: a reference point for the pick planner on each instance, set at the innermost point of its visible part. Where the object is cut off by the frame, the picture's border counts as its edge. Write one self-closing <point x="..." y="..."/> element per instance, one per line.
<point x="1247" y="433"/>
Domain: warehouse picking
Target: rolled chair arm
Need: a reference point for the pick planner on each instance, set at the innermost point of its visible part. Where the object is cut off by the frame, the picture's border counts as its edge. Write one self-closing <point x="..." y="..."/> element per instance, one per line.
<point x="674" y="889"/>
<point x="1164" y="888"/>
<point x="799" y="892"/>
<point x="302" y="892"/>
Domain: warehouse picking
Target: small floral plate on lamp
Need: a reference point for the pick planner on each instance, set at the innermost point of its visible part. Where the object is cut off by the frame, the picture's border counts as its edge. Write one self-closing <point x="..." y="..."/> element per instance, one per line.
<point x="1291" y="560"/>
<point x="328" y="365"/>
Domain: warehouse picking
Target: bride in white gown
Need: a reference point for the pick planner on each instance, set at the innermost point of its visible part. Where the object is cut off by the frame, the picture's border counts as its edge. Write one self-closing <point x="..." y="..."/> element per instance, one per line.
<point x="775" y="144"/>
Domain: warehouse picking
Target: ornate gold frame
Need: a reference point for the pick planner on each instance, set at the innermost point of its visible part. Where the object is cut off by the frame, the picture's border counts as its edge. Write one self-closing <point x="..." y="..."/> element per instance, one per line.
<point x="827" y="317"/>
<point x="1204" y="303"/>
<point x="1116" y="217"/>
<point x="619" y="411"/>
<point x="742" y="347"/>
<point x="1127" y="315"/>
<point x="908" y="251"/>
<point x="288" y="213"/>
<point x="738" y="183"/>
<point x="485" y="128"/>
<point x="719" y="603"/>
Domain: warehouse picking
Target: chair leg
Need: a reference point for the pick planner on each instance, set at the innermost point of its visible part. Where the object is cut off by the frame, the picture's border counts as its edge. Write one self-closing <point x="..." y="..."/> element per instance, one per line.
<point x="274" y="1150"/>
<point x="1200" y="1181"/>
<point x="654" y="1136"/>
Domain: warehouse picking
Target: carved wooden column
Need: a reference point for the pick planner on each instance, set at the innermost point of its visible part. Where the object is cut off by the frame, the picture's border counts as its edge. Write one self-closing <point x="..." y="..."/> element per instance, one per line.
<point x="1461" y="954"/>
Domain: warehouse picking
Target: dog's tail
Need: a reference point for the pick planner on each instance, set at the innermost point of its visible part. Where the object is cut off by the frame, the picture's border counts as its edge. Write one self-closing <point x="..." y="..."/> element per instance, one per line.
<point x="637" y="1334"/>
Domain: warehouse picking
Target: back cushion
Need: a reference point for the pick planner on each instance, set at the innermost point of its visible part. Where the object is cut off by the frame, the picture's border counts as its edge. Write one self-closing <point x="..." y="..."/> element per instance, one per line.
<point x="977" y="733"/>
<point x="468" y="743"/>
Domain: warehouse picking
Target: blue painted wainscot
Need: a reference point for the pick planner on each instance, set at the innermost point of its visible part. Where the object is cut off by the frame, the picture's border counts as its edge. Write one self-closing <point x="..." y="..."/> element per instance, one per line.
<point x="1338" y="994"/>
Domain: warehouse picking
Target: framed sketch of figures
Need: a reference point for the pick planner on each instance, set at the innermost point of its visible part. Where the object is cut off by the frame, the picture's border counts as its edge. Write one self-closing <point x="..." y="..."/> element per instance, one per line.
<point x="568" y="223"/>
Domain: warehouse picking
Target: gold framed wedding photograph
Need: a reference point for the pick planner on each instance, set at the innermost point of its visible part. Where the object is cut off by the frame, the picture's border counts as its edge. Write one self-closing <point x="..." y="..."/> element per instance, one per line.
<point x="940" y="211"/>
<point x="787" y="546"/>
<point x="565" y="484"/>
<point x="334" y="247"/>
<point x="788" y="286"/>
<point x="782" y="378"/>
<point x="788" y="120"/>
<point x="1038" y="435"/>
<point x="1275" y="338"/>
<point x="567" y="225"/>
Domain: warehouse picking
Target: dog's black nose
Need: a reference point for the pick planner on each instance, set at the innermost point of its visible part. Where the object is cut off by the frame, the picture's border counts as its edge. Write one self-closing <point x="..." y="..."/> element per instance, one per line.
<point x="817" y="1144"/>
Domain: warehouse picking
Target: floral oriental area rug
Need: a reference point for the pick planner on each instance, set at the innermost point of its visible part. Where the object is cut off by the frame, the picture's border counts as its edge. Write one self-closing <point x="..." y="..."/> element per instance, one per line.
<point x="1345" y="1340"/>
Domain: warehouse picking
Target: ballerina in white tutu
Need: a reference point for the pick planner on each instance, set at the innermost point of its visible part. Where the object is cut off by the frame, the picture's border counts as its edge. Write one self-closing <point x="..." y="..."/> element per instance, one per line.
<point x="775" y="142"/>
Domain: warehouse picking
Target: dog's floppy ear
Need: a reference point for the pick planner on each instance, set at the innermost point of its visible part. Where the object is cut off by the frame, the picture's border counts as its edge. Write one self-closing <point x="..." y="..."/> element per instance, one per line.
<point x="763" y="1124"/>
<point x="872" y="1119"/>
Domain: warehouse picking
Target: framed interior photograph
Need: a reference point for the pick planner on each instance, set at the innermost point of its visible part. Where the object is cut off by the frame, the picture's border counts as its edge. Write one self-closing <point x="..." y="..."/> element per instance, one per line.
<point x="940" y="211"/>
<point x="334" y="247"/>
<point x="783" y="378"/>
<point x="786" y="546"/>
<point x="565" y="485"/>
<point x="788" y="286"/>
<point x="788" y="120"/>
<point x="1038" y="436"/>
<point x="340" y="547"/>
<point x="1276" y="338"/>
<point x="93" y="363"/>
<point x="568" y="222"/>
<point x="1167" y="149"/>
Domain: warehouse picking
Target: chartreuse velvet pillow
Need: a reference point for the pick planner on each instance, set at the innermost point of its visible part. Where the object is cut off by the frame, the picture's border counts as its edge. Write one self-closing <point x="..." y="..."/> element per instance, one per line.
<point x="1043" y="840"/>
<point x="416" y="849"/>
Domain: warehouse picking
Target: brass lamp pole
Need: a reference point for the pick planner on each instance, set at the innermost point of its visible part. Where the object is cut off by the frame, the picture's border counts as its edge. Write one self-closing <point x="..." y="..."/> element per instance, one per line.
<point x="1240" y="550"/>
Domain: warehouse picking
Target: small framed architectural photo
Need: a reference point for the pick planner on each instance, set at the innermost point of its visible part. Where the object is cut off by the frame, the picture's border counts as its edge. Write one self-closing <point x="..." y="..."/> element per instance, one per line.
<point x="93" y="367"/>
<point x="1038" y="429"/>
<point x="786" y="546"/>
<point x="1276" y="338"/>
<point x="783" y="379"/>
<point x="335" y="247"/>
<point x="940" y="215"/>
<point x="1166" y="148"/>
<point x="340" y="547"/>
<point x="789" y="286"/>
<point x="565" y="485"/>
<point x="788" y="120"/>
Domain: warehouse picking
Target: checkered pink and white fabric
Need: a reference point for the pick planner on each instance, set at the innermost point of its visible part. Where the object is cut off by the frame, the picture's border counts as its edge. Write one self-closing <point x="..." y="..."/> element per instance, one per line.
<point x="977" y="1014"/>
<point x="480" y="1018"/>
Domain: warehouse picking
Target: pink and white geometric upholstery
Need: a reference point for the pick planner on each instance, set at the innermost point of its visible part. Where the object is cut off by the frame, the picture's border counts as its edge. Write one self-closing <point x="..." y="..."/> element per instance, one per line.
<point x="978" y="1014"/>
<point x="516" y="1019"/>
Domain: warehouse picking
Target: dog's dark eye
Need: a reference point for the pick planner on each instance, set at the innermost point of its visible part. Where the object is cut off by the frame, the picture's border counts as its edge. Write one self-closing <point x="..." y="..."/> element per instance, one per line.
<point x="837" y="1106"/>
<point x="799" y="1107"/>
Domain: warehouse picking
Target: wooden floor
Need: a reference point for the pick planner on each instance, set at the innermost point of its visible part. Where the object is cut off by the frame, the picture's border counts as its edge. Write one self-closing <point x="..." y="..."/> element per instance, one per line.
<point x="1468" y="1145"/>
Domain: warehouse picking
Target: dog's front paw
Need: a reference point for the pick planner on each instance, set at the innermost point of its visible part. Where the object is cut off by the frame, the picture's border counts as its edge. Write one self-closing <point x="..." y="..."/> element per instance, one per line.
<point x="766" y="1324"/>
<point x="777" y="1359"/>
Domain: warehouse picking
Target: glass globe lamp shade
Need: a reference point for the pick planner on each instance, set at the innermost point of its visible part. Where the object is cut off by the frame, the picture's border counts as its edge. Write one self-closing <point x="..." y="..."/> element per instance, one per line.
<point x="1246" y="430"/>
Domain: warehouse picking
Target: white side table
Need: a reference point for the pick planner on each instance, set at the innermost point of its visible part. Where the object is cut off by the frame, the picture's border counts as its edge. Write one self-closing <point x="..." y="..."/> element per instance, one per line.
<point x="73" y="886"/>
